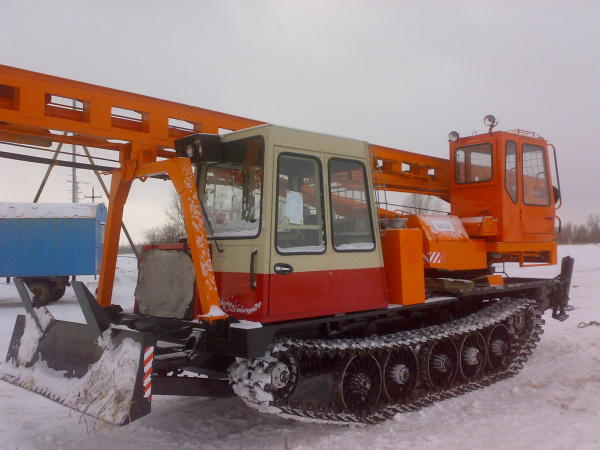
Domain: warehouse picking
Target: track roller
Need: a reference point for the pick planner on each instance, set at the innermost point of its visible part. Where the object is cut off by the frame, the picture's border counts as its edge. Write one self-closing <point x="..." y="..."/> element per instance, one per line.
<point x="357" y="383"/>
<point x="499" y="344"/>
<point x="472" y="355"/>
<point x="400" y="373"/>
<point x="439" y="363"/>
<point x="284" y="378"/>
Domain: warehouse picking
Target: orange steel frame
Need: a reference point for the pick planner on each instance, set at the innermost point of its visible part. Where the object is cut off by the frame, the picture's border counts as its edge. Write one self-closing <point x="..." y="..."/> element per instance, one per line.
<point x="404" y="171"/>
<point x="29" y="113"/>
<point x="34" y="106"/>
<point x="36" y="109"/>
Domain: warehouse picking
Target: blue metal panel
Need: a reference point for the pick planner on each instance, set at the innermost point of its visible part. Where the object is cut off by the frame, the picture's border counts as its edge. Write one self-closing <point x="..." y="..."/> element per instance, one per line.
<point x="50" y="246"/>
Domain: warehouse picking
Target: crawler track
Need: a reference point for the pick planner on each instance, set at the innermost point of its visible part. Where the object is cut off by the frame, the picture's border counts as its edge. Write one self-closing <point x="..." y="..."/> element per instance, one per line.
<point x="449" y="360"/>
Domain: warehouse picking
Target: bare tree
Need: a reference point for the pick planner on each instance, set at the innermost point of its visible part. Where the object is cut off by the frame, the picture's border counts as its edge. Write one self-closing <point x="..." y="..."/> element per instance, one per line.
<point x="168" y="233"/>
<point x="566" y="234"/>
<point x="424" y="204"/>
<point x="593" y="224"/>
<point x="580" y="234"/>
<point x="577" y="233"/>
<point x="173" y="230"/>
<point x="175" y="211"/>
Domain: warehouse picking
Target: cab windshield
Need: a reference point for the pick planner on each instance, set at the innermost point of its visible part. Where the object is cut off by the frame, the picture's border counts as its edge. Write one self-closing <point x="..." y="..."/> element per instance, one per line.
<point x="232" y="190"/>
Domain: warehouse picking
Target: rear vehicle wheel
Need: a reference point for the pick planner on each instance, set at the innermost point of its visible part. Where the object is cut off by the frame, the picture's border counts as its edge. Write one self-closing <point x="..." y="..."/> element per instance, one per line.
<point x="42" y="290"/>
<point x="57" y="292"/>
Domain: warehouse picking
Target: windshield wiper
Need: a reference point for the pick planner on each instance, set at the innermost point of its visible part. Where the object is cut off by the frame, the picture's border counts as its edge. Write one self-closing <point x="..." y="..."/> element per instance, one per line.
<point x="210" y="227"/>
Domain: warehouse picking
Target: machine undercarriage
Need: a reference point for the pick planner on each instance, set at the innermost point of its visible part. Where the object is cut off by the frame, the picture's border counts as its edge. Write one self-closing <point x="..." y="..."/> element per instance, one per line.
<point x="355" y="368"/>
<point x="372" y="379"/>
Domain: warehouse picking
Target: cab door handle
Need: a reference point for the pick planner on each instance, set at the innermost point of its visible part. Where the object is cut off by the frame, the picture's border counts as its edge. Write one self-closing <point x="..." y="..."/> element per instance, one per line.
<point x="252" y="279"/>
<point x="283" y="269"/>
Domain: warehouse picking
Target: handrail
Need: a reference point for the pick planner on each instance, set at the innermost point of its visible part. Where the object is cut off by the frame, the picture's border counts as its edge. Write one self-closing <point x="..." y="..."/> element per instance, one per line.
<point x="557" y="176"/>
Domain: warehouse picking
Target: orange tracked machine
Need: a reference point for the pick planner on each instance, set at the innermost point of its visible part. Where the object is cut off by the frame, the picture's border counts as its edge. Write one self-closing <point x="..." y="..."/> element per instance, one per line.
<point x="299" y="288"/>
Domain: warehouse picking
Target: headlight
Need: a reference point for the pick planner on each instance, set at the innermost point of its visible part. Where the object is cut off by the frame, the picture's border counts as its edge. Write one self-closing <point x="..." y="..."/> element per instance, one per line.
<point x="453" y="136"/>
<point x="189" y="151"/>
<point x="490" y="121"/>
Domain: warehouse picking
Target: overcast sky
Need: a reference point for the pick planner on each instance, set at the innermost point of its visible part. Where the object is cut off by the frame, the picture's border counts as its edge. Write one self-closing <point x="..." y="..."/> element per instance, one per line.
<point x="395" y="73"/>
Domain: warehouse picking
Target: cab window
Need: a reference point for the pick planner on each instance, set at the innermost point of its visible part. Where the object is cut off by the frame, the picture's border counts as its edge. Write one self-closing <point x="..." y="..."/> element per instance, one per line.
<point x="351" y="224"/>
<point x="473" y="164"/>
<point x="232" y="192"/>
<point x="511" y="175"/>
<point x="536" y="189"/>
<point x="300" y="224"/>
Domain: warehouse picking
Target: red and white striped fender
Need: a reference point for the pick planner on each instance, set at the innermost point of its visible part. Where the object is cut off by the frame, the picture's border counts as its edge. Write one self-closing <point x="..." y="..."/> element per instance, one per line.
<point x="148" y="358"/>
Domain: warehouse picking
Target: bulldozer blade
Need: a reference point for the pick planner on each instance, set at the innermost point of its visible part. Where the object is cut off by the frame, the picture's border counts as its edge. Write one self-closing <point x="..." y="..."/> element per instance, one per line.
<point x="108" y="378"/>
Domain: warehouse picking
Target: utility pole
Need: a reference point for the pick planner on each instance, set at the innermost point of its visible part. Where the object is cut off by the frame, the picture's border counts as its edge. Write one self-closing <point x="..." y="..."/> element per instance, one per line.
<point x="74" y="179"/>
<point x="93" y="196"/>
<point x="74" y="171"/>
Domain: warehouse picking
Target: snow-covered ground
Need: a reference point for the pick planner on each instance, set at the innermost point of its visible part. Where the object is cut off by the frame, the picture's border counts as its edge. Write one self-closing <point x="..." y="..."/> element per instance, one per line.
<point x="554" y="403"/>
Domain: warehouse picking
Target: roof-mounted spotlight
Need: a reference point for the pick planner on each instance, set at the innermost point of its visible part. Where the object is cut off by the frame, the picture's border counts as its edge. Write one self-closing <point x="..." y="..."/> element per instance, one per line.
<point x="453" y="136"/>
<point x="200" y="146"/>
<point x="490" y="121"/>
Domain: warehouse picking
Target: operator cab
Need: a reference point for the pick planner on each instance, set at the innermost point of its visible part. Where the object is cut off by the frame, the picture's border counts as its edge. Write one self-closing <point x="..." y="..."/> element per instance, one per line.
<point x="505" y="178"/>
<point x="291" y="222"/>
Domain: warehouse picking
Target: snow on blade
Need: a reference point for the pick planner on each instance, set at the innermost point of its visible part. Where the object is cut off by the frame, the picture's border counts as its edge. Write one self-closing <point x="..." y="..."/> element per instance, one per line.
<point x="104" y="392"/>
<point x="29" y="341"/>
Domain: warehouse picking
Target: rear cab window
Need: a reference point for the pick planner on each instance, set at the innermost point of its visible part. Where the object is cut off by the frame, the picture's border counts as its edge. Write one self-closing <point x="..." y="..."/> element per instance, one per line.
<point x="351" y="224"/>
<point x="473" y="164"/>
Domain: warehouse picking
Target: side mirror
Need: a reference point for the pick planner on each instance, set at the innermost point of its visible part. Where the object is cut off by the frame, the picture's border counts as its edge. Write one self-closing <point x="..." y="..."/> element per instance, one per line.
<point x="556" y="192"/>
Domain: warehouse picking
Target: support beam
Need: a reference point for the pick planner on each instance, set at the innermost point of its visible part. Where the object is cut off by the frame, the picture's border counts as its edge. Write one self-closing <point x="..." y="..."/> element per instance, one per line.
<point x="50" y="167"/>
<point x="180" y="172"/>
<point x="103" y="185"/>
<point x="119" y="191"/>
<point x="58" y="162"/>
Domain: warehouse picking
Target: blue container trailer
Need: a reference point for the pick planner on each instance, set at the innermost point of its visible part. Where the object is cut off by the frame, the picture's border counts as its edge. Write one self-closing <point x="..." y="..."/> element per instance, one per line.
<point x="46" y="243"/>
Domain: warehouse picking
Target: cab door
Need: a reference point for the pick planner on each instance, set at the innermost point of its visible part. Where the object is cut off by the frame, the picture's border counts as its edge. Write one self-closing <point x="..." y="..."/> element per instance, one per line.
<point x="537" y="209"/>
<point x="232" y="194"/>
<point x="300" y="279"/>
<point x="356" y="261"/>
